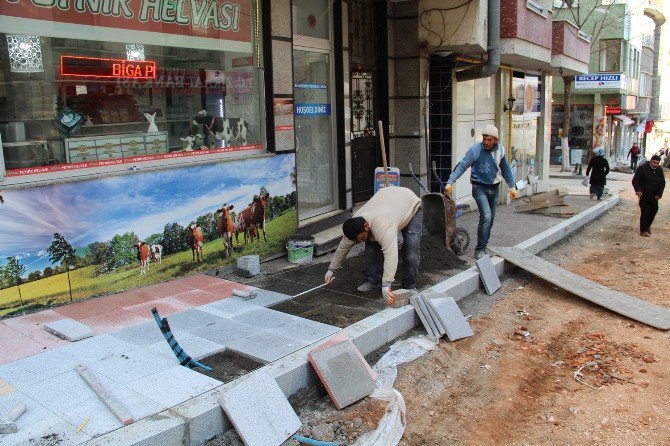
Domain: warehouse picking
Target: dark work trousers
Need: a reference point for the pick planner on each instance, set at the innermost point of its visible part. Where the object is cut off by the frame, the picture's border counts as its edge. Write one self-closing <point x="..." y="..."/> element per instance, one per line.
<point x="486" y="197"/>
<point x="633" y="162"/>
<point x="648" y="209"/>
<point x="411" y="236"/>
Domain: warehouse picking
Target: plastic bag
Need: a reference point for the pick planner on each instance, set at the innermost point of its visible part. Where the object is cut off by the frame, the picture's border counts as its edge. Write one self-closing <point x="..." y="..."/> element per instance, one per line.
<point x="585" y="181"/>
<point x="392" y="425"/>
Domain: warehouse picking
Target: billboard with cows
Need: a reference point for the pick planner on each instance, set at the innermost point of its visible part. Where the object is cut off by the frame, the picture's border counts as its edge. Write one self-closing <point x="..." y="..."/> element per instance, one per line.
<point x="75" y="240"/>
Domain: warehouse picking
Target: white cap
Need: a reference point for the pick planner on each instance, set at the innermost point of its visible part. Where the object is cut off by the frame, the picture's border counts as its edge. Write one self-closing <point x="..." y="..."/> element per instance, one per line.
<point x="490" y="130"/>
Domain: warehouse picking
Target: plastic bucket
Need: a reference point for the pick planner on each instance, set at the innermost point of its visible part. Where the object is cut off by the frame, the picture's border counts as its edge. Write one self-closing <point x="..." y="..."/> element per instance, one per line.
<point x="300" y="249"/>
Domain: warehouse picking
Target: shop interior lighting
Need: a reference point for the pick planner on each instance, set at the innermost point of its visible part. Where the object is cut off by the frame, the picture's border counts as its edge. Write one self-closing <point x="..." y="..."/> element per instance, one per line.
<point x="25" y="53"/>
<point x="134" y="51"/>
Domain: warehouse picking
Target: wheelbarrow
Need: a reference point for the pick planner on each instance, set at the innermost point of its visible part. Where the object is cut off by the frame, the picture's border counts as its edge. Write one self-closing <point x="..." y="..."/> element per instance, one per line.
<point x="439" y="216"/>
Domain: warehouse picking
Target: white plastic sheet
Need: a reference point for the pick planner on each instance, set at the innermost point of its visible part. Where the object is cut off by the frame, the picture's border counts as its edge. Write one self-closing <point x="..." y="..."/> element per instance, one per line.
<point x="392" y="425"/>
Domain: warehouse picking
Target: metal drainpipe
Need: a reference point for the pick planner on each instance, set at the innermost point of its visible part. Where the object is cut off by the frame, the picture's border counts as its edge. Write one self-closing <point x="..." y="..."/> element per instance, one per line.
<point x="490" y="67"/>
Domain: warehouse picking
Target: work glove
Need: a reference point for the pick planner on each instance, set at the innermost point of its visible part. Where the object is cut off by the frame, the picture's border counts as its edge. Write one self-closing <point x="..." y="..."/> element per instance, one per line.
<point x="330" y="276"/>
<point x="448" y="189"/>
<point x="389" y="297"/>
<point x="512" y="194"/>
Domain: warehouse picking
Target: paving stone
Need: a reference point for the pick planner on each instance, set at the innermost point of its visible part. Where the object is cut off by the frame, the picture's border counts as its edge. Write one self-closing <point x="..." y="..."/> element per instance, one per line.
<point x="131" y="366"/>
<point x="228" y="308"/>
<point x="414" y="300"/>
<point x="488" y="275"/>
<point x="433" y="315"/>
<point x="225" y="331"/>
<point x="401" y="298"/>
<point x="144" y="334"/>
<point x="174" y="385"/>
<point x="194" y="346"/>
<point x="192" y="319"/>
<point x="92" y="350"/>
<point x="32" y="370"/>
<point x="265" y="318"/>
<point x="69" y="329"/>
<point x="434" y="323"/>
<point x="260" y="412"/>
<point x="450" y="316"/>
<point x="266" y="347"/>
<point x="305" y="330"/>
<point x="265" y="298"/>
<point x="342" y="370"/>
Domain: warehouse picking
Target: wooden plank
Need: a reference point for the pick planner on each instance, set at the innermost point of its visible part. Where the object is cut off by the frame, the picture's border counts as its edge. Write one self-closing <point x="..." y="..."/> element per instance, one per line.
<point x="555" y="193"/>
<point x="110" y="400"/>
<point x="557" y="211"/>
<point x="557" y="201"/>
<point x="616" y="301"/>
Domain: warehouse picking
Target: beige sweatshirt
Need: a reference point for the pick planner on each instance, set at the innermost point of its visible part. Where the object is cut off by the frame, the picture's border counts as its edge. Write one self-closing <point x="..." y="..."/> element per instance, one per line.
<point x="387" y="212"/>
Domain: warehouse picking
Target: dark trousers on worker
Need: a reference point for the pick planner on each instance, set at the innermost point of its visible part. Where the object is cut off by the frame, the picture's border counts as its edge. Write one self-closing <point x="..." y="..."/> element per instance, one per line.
<point x="486" y="197"/>
<point x="633" y="162"/>
<point x="648" y="209"/>
<point x="411" y="242"/>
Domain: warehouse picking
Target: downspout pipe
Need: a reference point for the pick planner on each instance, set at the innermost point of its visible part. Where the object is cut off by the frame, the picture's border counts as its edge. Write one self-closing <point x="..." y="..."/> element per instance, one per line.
<point x="490" y="67"/>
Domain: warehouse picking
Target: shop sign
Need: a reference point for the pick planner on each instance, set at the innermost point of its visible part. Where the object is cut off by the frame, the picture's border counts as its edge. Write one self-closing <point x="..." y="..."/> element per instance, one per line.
<point x="98" y="67"/>
<point x="613" y="110"/>
<point x="599" y="81"/>
<point x="309" y="86"/>
<point x="184" y="23"/>
<point x="312" y="109"/>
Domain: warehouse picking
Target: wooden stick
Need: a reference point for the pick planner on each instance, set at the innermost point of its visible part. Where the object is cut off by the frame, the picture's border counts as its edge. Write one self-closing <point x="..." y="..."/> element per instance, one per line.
<point x="110" y="400"/>
<point x="380" y="127"/>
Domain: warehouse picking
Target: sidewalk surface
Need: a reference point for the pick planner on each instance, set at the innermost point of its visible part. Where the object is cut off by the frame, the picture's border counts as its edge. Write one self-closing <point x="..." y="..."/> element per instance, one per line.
<point x="130" y="357"/>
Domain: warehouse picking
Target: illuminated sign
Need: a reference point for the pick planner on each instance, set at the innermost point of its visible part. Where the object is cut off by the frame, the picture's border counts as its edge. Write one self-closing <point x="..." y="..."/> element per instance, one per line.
<point x="101" y="68"/>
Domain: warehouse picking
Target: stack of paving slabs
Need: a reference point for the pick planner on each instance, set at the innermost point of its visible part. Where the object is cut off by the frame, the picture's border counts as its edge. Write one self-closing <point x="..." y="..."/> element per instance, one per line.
<point x="440" y="315"/>
<point x="249" y="266"/>
<point x="550" y="203"/>
<point x="343" y="371"/>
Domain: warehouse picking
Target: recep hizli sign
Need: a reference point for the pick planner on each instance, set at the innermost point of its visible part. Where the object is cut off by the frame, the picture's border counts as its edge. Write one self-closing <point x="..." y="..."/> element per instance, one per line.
<point x="599" y="81"/>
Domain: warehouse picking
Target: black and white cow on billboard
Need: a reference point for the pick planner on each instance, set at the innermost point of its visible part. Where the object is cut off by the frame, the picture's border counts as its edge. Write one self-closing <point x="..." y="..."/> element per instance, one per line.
<point x="226" y="129"/>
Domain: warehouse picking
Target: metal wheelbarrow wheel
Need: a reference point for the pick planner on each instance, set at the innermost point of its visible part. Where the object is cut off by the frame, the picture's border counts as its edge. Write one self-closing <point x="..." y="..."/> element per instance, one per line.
<point x="460" y="241"/>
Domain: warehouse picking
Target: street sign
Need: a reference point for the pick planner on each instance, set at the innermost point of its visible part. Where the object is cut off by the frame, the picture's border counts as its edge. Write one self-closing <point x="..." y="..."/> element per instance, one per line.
<point x="393" y="176"/>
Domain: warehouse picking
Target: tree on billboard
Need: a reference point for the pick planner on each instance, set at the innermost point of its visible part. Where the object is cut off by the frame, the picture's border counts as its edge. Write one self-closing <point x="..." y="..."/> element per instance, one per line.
<point x="11" y="274"/>
<point x="63" y="252"/>
<point x="121" y="250"/>
<point x="175" y="238"/>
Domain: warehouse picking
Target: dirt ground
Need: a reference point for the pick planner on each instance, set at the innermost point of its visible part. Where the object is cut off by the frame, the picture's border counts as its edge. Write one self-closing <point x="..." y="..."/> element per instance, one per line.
<point x="514" y="381"/>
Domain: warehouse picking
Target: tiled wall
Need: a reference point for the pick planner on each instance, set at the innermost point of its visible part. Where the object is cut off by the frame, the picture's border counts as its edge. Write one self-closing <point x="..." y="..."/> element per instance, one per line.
<point x="440" y="118"/>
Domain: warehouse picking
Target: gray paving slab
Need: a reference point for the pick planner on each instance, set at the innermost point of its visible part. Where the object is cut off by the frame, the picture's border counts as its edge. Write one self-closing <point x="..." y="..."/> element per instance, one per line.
<point x="343" y="372"/>
<point x="92" y="350"/>
<point x="305" y="330"/>
<point x="264" y="318"/>
<point x="266" y="347"/>
<point x="34" y="369"/>
<point x="228" y="308"/>
<point x="35" y="413"/>
<point x="265" y="298"/>
<point x="260" y="412"/>
<point x="194" y="346"/>
<point x="423" y="317"/>
<point x="173" y="385"/>
<point x="450" y="316"/>
<point x="433" y="315"/>
<point x="131" y="366"/>
<point x="191" y="319"/>
<point x="47" y="429"/>
<point x="69" y="329"/>
<point x="145" y="334"/>
<point x="434" y="324"/>
<point x="225" y="332"/>
<point x="488" y="274"/>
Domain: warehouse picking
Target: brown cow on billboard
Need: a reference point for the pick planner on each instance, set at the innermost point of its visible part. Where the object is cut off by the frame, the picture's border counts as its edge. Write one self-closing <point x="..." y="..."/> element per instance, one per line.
<point x="195" y="241"/>
<point x="143" y="254"/>
<point x="253" y="215"/>
<point x="225" y="227"/>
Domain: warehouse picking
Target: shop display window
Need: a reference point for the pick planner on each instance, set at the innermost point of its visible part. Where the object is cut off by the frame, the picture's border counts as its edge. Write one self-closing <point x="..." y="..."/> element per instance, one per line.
<point x="73" y="103"/>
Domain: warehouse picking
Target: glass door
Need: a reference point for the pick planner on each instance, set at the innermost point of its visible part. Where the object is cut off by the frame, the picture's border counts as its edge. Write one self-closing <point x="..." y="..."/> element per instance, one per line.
<point x="314" y="132"/>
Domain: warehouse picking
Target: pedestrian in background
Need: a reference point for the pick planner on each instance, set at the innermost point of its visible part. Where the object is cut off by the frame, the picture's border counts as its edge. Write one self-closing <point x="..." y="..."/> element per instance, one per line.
<point x="649" y="183"/>
<point x="634" y="152"/>
<point x="489" y="167"/>
<point x="598" y="169"/>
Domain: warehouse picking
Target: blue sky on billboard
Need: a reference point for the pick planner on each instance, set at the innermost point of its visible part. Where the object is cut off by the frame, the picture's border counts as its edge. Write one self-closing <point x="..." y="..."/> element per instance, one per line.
<point x="95" y="211"/>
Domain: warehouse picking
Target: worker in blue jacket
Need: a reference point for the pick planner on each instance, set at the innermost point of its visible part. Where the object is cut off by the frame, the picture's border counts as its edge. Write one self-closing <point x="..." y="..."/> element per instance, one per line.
<point x="489" y="167"/>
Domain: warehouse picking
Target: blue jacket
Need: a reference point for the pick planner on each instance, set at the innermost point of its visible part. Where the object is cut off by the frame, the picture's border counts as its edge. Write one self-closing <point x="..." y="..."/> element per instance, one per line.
<point x="486" y="166"/>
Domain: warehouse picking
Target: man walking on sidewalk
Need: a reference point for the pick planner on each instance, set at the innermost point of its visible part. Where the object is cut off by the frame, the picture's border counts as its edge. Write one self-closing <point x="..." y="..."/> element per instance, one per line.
<point x="634" y="152"/>
<point x="377" y="223"/>
<point x="489" y="167"/>
<point x="649" y="183"/>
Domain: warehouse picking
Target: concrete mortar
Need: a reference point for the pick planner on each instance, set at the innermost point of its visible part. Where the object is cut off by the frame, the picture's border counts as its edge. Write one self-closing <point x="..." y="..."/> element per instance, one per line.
<point x="201" y="418"/>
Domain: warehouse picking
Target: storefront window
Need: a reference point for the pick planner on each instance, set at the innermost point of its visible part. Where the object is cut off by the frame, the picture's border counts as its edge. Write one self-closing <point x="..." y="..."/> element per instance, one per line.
<point x="610" y="55"/>
<point x="151" y="84"/>
<point x="525" y="115"/>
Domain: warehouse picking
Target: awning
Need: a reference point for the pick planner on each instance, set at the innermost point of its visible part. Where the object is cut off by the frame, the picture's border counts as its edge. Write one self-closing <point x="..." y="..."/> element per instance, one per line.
<point x="625" y="120"/>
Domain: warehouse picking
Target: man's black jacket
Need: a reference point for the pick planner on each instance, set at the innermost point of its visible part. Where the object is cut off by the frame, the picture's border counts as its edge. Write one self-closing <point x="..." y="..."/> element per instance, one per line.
<point x="650" y="182"/>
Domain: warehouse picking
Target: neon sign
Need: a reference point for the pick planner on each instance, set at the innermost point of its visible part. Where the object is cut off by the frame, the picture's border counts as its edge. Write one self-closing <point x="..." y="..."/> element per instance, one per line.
<point x="104" y="68"/>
